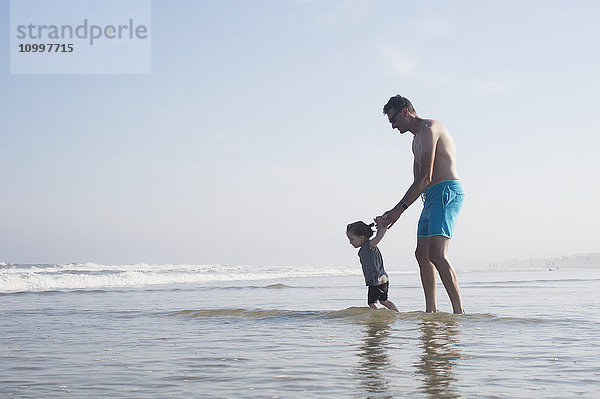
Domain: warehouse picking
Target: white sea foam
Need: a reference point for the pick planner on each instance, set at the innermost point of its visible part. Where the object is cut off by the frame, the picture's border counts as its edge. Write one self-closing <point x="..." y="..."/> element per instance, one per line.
<point x="19" y="278"/>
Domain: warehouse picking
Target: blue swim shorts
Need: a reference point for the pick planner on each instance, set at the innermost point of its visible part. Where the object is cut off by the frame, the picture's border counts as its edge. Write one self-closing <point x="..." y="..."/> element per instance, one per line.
<point x="442" y="203"/>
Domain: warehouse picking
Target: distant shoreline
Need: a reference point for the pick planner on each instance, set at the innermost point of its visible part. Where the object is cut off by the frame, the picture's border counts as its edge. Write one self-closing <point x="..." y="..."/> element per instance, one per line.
<point x="587" y="260"/>
<point x="578" y="261"/>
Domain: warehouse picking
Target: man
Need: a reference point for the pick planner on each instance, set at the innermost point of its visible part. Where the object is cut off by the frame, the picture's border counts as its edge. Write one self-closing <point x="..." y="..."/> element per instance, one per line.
<point x="436" y="179"/>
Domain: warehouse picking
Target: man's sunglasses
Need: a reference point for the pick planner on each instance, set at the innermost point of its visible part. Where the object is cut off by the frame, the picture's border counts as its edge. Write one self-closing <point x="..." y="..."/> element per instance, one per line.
<point x="393" y="118"/>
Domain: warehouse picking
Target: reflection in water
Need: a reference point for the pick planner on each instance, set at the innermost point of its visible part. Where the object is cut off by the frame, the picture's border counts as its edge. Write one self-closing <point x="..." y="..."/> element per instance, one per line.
<point x="373" y="362"/>
<point x="438" y="361"/>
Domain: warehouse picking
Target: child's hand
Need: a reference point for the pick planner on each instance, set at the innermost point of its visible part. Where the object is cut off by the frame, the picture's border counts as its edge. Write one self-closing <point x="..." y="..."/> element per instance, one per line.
<point x="388" y="219"/>
<point x="380" y="222"/>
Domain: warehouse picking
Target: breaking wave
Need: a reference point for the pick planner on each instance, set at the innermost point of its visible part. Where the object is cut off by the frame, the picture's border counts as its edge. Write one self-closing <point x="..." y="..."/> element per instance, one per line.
<point x="23" y="278"/>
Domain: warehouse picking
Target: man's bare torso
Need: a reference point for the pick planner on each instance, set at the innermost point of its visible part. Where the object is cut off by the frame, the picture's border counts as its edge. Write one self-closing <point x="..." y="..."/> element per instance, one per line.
<point x="444" y="161"/>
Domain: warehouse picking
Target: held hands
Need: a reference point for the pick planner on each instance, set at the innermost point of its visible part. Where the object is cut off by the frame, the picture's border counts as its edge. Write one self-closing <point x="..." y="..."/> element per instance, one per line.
<point x="387" y="220"/>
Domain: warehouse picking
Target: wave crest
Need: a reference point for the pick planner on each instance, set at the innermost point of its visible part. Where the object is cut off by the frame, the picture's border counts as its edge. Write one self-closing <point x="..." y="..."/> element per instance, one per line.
<point x="23" y="278"/>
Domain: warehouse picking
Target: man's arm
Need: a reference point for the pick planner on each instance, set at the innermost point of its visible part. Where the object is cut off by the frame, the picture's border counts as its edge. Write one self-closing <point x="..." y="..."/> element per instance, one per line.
<point x="381" y="229"/>
<point x="422" y="172"/>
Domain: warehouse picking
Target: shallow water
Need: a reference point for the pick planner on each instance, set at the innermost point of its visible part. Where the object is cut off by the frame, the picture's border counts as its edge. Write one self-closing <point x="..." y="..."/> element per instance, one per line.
<point x="527" y="334"/>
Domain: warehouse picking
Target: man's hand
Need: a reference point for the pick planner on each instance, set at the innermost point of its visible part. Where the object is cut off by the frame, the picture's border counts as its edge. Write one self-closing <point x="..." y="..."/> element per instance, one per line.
<point x="380" y="221"/>
<point x="387" y="219"/>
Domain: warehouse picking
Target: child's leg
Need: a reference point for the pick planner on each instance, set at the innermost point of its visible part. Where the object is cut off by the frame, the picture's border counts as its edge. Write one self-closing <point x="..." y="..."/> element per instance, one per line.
<point x="390" y="305"/>
<point x="372" y="296"/>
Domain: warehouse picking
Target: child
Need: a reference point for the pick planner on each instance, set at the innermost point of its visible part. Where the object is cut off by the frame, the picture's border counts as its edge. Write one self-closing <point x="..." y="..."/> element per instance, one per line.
<point x="372" y="262"/>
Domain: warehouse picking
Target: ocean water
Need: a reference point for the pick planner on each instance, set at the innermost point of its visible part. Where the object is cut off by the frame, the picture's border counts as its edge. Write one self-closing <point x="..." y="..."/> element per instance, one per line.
<point x="208" y="331"/>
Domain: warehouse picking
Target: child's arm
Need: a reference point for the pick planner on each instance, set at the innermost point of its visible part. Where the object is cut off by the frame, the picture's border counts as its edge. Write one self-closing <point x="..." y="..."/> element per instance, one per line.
<point x="381" y="229"/>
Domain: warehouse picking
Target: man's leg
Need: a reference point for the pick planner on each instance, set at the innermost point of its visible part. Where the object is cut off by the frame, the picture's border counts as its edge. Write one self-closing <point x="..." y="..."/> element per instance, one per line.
<point x="427" y="271"/>
<point x="438" y="254"/>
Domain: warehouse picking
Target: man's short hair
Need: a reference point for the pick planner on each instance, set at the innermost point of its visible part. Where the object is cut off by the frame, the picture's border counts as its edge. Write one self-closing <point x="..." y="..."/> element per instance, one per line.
<point x="398" y="103"/>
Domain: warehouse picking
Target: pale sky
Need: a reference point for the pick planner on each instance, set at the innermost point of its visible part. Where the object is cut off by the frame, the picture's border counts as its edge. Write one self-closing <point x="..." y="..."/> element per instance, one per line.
<point x="259" y="135"/>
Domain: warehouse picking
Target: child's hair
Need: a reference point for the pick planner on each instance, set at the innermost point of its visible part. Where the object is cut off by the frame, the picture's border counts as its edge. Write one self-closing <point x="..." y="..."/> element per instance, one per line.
<point x="360" y="229"/>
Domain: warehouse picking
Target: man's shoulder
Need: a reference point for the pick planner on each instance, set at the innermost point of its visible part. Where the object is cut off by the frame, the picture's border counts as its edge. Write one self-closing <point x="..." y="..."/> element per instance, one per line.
<point x="427" y="126"/>
<point x="435" y="127"/>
